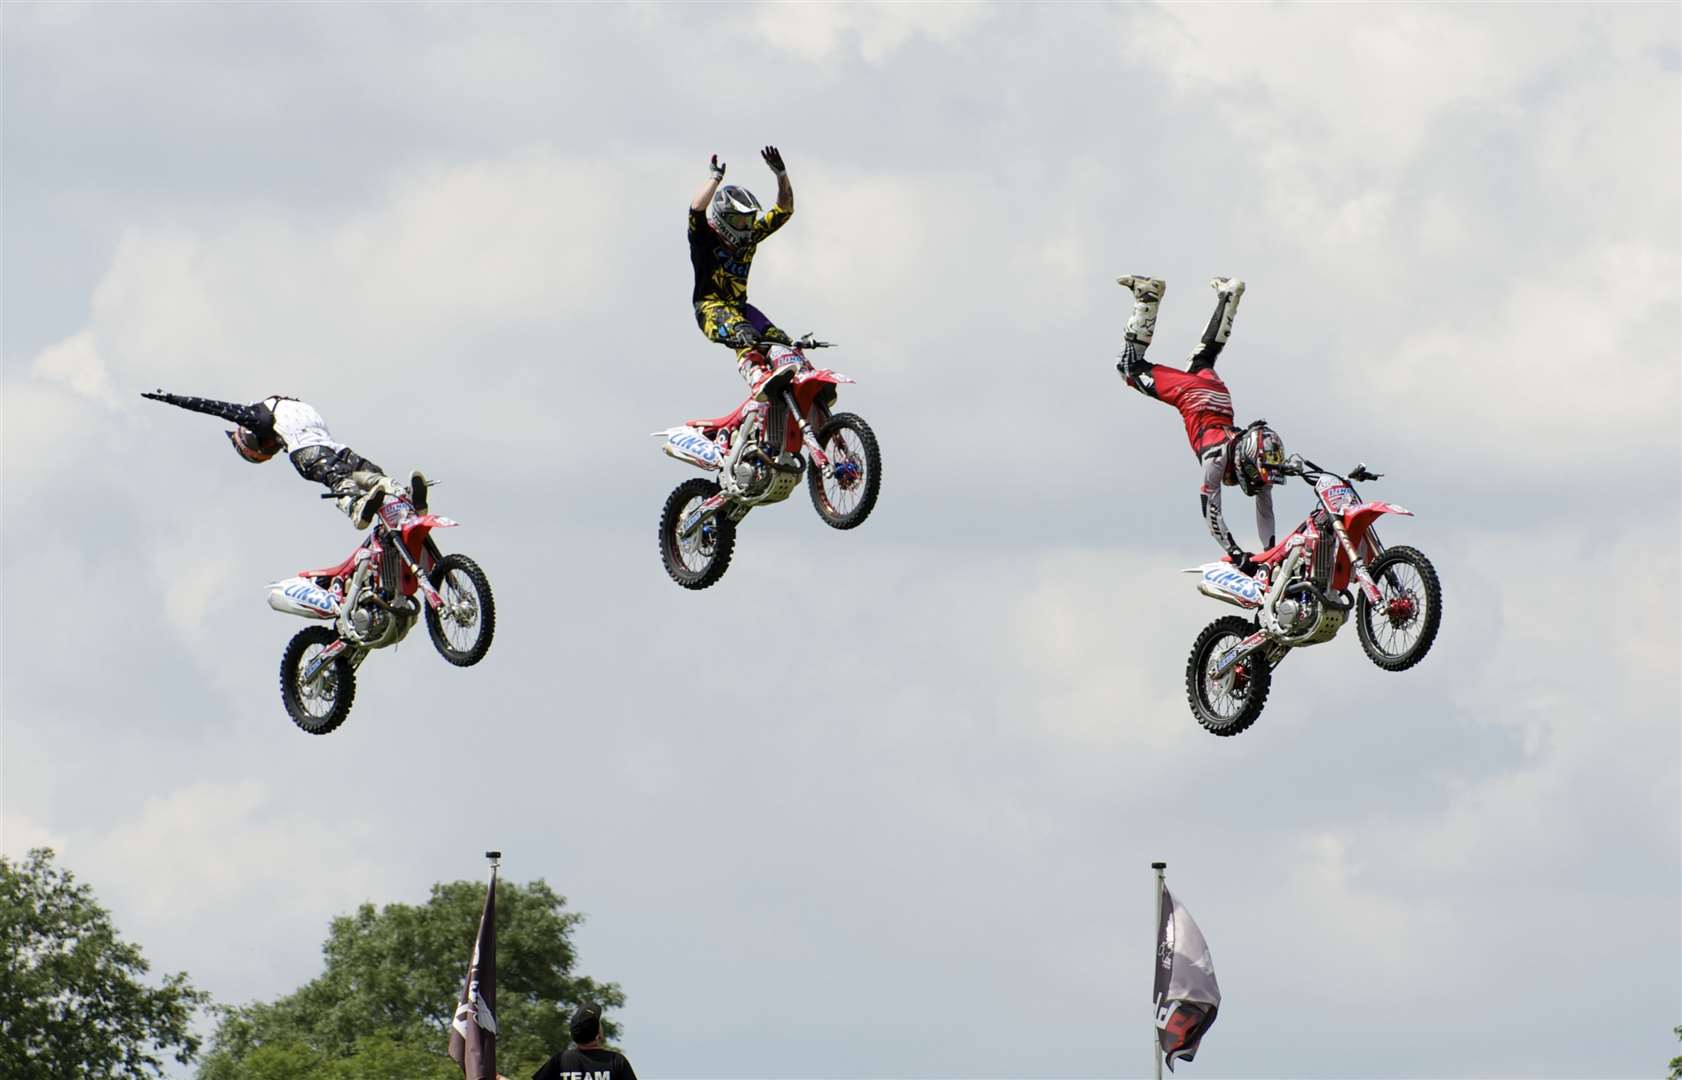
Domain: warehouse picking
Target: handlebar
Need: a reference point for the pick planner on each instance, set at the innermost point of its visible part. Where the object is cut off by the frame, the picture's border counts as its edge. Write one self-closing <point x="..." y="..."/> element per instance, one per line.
<point x="1297" y="465"/>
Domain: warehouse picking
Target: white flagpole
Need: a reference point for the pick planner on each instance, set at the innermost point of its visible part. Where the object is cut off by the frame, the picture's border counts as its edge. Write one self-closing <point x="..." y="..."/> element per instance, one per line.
<point x="1156" y="1041"/>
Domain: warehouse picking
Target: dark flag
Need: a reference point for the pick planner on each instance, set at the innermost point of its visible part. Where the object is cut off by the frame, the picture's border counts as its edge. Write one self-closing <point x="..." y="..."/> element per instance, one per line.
<point x="473" y="1034"/>
<point x="1187" y="996"/>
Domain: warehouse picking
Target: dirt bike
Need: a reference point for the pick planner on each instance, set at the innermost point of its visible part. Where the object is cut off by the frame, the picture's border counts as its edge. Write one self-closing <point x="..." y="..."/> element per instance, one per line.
<point x="837" y="452"/>
<point x="1300" y="596"/>
<point x="370" y="601"/>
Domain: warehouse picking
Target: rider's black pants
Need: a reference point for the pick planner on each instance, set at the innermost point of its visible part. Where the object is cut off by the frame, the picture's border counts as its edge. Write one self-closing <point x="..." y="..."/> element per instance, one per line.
<point x="331" y="467"/>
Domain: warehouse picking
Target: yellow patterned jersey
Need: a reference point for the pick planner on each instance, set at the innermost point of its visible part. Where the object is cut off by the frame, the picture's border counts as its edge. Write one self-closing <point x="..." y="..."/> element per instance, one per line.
<point x="721" y="272"/>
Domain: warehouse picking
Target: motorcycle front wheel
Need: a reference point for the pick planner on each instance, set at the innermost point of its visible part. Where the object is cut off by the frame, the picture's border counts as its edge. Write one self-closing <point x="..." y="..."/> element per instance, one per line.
<point x="462" y="629"/>
<point x="1397" y="632"/>
<point x="322" y="704"/>
<point x="701" y="558"/>
<point x="1227" y="704"/>
<point x="848" y="495"/>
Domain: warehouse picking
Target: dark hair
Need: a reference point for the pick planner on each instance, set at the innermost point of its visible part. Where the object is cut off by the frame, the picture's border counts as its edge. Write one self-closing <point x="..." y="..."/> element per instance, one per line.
<point x="586" y="1023"/>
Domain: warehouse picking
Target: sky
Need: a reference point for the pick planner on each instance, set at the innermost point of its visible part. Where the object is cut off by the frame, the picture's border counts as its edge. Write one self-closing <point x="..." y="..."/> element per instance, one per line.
<point x="881" y="803"/>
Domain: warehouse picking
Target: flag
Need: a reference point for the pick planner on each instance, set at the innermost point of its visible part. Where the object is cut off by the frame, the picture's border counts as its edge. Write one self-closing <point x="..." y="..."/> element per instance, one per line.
<point x="1187" y="996"/>
<point x="473" y="1033"/>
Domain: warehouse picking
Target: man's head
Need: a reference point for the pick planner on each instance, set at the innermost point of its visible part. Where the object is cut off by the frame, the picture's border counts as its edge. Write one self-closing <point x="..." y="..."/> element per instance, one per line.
<point x="732" y="214"/>
<point x="1257" y="454"/>
<point x="586" y="1024"/>
<point x="252" y="445"/>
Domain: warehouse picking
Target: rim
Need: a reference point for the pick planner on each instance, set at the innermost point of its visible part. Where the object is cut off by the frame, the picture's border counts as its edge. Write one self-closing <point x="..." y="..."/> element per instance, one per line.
<point x="1395" y="623"/>
<point x="1225" y="696"/>
<point x="459" y="616"/>
<point x="696" y="551"/>
<point x="318" y="696"/>
<point x="843" y="489"/>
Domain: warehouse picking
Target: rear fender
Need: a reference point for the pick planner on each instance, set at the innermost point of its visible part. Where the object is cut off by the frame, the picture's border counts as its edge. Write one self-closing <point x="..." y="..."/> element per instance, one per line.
<point x="1223" y="581"/>
<point x="302" y="597"/>
<point x="689" y="445"/>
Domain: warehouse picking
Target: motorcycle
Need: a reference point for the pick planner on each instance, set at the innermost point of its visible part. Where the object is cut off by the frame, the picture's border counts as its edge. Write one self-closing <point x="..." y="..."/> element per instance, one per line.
<point x="1300" y="597"/>
<point x="758" y="453"/>
<point x="370" y="601"/>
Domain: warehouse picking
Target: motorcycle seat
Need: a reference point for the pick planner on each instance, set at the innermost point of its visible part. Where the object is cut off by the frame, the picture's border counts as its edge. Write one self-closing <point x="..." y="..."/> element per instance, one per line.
<point x="711" y="427"/>
<point x="1276" y="553"/>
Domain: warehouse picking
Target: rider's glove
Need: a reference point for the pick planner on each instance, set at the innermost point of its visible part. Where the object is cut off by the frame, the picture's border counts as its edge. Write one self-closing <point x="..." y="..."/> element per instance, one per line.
<point x="716" y="168"/>
<point x="774" y="158"/>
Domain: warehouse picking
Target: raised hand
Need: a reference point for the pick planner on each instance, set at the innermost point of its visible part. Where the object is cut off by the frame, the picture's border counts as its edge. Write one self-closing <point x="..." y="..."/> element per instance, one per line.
<point x="774" y="158"/>
<point x="717" y="168"/>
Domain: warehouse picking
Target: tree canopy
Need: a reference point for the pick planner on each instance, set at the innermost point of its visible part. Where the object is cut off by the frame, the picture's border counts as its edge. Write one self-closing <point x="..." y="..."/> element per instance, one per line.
<point x="381" y="1008"/>
<point x="72" y="1002"/>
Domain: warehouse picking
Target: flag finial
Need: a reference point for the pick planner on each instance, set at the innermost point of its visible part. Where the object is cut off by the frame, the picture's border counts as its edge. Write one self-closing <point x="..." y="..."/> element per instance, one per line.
<point x="1159" y="866"/>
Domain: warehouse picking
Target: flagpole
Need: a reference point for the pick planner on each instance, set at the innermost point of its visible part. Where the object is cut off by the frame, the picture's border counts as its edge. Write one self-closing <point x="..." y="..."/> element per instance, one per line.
<point x="496" y="860"/>
<point x="1156" y="1041"/>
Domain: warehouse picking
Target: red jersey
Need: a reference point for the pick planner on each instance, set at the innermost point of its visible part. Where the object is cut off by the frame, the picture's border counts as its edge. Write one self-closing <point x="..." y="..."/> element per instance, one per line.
<point x="1203" y="401"/>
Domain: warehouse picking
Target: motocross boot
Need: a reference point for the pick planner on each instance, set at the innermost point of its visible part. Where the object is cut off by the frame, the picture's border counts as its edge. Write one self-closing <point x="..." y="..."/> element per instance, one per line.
<point x="1228" y="292"/>
<point x="754" y="369"/>
<point x="1147" y="295"/>
<point x="417" y="490"/>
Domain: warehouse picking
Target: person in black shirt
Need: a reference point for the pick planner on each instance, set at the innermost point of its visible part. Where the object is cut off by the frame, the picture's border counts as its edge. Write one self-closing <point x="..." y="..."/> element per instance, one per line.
<point x="725" y="229"/>
<point x="587" y="1059"/>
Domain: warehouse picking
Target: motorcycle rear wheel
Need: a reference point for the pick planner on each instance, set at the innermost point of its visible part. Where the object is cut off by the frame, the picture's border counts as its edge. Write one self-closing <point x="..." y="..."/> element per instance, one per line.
<point x="467" y="592"/>
<point x="323" y="705"/>
<point x="1397" y="633"/>
<point x="1228" y="705"/>
<point x="847" y="497"/>
<point x="700" y="559"/>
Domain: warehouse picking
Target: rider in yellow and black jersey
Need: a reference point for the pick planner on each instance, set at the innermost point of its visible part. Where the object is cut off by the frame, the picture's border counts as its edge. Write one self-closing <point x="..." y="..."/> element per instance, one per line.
<point x="725" y="228"/>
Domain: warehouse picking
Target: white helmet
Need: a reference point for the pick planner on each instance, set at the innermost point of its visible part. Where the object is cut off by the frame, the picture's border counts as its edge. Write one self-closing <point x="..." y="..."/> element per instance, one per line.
<point x="732" y="214"/>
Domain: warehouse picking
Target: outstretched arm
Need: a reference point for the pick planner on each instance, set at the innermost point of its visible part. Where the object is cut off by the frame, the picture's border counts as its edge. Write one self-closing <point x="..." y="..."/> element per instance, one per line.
<point x="1214" y="466"/>
<point x="715" y="176"/>
<point x="246" y="416"/>
<point x="785" y="190"/>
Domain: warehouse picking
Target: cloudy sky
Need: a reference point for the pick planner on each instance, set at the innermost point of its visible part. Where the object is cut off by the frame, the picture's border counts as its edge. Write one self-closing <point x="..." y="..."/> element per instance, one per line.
<point x="882" y="803"/>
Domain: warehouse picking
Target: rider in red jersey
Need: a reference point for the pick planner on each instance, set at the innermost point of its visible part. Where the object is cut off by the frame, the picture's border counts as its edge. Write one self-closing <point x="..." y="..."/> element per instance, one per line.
<point x="1247" y="458"/>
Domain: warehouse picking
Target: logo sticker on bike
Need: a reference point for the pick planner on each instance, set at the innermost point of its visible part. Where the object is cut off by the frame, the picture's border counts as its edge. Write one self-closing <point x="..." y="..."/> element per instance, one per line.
<point x="309" y="596"/>
<point x="693" y="445"/>
<point x="1338" y="497"/>
<point x="1232" y="581"/>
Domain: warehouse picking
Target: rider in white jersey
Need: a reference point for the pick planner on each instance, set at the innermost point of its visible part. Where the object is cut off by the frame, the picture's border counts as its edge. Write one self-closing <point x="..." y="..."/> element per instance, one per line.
<point x="278" y="424"/>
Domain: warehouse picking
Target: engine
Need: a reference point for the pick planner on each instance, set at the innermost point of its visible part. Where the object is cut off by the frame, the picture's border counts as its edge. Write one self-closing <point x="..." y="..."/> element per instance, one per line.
<point x="378" y="623"/>
<point x="751" y="477"/>
<point x="1306" y="618"/>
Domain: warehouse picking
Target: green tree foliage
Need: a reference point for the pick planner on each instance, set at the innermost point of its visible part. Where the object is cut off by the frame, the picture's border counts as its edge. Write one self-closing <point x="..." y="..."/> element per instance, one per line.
<point x="381" y="1010"/>
<point x="1676" y="1062"/>
<point x="71" y="999"/>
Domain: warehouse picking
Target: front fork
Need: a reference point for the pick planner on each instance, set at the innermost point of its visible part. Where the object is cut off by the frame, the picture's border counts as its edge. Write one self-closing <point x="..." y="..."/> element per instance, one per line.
<point x="809" y="437"/>
<point x="1356" y="565"/>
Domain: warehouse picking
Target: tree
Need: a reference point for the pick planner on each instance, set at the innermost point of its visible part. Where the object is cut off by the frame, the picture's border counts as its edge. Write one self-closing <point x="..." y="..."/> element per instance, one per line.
<point x="381" y="1009"/>
<point x="71" y="999"/>
<point x="1676" y="1062"/>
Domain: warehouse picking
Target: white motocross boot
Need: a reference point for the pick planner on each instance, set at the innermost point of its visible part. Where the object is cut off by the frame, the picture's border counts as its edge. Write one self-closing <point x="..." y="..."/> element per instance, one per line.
<point x="1230" y="291"/>
<point x="1147" y="295"/>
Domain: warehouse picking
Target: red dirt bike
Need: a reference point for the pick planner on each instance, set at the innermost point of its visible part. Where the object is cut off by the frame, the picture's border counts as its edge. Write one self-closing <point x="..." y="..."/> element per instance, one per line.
<point x="837" y="452"/>
<point x="1300" y="596"/>
<point x="370" y="601"/>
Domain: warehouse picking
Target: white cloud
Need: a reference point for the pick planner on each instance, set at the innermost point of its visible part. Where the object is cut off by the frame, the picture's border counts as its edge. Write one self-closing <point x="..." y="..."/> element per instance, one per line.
<point x="819" y="30"/>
